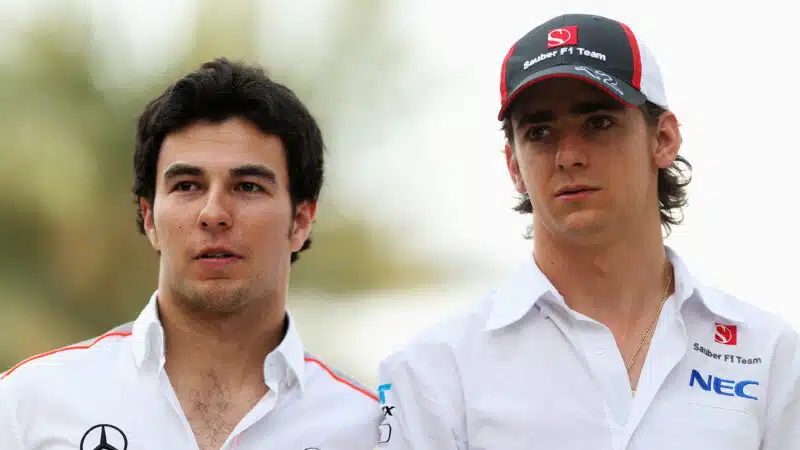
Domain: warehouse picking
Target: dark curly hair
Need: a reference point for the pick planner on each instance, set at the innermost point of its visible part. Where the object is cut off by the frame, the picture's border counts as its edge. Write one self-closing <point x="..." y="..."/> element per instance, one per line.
<point x="672" y="181"/>
<point x="219" y="90"/>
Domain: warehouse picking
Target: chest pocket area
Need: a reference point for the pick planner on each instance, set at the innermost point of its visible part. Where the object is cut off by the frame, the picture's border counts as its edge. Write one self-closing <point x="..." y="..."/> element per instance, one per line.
<point x="682" y="425"/>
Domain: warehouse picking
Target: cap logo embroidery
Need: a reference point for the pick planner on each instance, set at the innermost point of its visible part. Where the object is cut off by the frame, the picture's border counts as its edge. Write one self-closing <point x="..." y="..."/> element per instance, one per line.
<point x="562" y="36"/>
<point x="599" y="75"/>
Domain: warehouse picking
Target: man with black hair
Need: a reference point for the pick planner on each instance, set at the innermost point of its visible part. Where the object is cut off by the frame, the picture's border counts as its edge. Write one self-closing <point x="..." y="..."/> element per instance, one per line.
<point x="228" y="168"/>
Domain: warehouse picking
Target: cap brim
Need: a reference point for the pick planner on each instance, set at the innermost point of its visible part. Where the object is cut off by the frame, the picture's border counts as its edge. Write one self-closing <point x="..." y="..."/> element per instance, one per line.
<point x="615" y="87"/>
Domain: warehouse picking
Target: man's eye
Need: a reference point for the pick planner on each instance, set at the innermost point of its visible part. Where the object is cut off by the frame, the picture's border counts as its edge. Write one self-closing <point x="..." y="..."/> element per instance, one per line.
<point x="185" y="186"/>
<point x="537" y="133"/>
<point x="250" y="187"/>
<point x="599" y="122"/>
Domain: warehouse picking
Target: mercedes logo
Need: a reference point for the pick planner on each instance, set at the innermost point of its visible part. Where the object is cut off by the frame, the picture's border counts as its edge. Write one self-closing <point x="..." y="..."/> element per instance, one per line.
<point x="104" y="437"/>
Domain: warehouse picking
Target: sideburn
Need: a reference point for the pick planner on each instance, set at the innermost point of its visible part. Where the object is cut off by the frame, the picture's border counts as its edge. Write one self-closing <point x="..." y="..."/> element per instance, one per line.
<point x="292" y="223"/>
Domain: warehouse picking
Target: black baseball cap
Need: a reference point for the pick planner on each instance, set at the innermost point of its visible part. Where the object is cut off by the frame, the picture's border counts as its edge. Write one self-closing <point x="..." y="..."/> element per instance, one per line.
<point x="588" y="47"/>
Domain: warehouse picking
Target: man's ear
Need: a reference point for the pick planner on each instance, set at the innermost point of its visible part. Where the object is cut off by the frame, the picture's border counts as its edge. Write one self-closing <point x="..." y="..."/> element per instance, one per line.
<point x="304" y="216"/>
<point x="668" y="140"/>
<point x="149" y="227"/>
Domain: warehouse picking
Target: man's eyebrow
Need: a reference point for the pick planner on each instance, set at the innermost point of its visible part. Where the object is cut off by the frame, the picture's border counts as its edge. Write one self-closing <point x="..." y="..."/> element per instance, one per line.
<point x="255" y="170"/>
<point x="590" y="107"/>
<point x="536" y="117"/>
<point x="182" y="169"/>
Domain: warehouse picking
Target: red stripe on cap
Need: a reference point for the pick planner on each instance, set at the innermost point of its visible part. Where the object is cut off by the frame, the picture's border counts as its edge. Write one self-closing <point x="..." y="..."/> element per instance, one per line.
<point x="637" y="57"/>
<point x="503" y="84"/>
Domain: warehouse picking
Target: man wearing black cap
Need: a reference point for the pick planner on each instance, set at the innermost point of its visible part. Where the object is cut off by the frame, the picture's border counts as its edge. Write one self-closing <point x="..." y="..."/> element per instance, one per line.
<point x="604" y="339"/>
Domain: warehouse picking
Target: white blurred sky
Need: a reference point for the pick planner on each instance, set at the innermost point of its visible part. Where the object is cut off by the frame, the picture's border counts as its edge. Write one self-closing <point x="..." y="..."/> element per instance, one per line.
<point x="729" y="80"/>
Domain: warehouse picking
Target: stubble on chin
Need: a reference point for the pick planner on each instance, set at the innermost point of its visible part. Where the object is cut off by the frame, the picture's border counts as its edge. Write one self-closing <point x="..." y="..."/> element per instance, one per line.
<point x="212" y="297"/>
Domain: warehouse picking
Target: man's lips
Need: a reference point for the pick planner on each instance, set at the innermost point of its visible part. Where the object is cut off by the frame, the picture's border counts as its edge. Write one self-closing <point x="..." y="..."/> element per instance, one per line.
<point x="220" y="252"/>
<point x="575" y="190"/>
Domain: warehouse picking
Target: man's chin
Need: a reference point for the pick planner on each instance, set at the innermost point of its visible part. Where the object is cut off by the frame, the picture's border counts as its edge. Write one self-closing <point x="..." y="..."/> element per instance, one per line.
<point x="585" y="223"/>
<point x="222" y="296"/>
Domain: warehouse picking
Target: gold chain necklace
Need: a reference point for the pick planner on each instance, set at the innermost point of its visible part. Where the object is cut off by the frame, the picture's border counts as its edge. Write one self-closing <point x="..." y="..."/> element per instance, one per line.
<point x="653" y="322"/>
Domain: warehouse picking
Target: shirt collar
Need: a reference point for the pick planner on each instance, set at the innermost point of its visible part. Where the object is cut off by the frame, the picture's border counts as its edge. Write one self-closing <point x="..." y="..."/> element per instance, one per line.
<point x="287" y="361"/>
<point x="148" y="337"/>
<point x="687" y="288"/>
<point x="284" y="364"/>
<point x="513" y="299"/>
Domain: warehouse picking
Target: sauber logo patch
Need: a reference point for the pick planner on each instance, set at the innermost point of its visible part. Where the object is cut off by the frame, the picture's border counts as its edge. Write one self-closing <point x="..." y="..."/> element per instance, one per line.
<point x="725" y="334"/>
<point x="562" y="36"/>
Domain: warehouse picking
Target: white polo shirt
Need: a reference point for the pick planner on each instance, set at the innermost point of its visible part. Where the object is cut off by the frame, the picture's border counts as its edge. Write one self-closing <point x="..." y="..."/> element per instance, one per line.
<point x="114" y="389"/>
<point x="520" y="370"/>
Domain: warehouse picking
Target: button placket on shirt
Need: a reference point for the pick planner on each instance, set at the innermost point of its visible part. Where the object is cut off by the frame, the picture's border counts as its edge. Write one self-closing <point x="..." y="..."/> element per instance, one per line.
<point x="608" y="369"/>
<point x="596" y="345"/>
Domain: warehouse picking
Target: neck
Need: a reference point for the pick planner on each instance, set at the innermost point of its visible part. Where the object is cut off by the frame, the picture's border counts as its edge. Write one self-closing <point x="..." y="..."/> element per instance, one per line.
<point x="615" y="282"/>
<point x="231" y="346"/>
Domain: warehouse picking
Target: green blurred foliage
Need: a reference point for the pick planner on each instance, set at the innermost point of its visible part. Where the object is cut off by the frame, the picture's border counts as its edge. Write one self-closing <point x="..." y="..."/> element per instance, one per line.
<point x="73" y="263"/>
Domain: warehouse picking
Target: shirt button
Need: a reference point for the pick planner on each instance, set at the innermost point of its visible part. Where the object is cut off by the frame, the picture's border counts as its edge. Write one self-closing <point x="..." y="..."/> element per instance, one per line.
<point x="598" y="350"/>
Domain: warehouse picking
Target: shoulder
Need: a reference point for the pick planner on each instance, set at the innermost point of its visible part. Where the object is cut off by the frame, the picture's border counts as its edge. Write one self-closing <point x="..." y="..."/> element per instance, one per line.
<point x="328" y="393"/>
<point x="752" y="315"/>
<point x="438" y="347"/>
<point x="757" y="326"/>
<point x="64" y="362"/>
<point x="322" y="378"/>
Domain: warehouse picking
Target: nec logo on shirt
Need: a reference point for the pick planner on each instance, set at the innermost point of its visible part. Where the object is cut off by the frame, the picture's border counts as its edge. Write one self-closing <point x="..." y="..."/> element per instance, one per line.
<point x="721" y="386"/>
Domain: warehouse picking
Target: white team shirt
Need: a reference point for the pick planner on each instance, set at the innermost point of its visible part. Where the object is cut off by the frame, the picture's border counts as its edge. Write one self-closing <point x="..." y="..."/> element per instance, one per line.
<point x="114" y="390"/>
<point x="520" y="370"/>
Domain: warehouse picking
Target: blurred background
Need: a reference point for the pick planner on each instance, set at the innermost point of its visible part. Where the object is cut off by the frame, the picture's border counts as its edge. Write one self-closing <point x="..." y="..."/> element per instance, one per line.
<point x="415" y="220"/>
